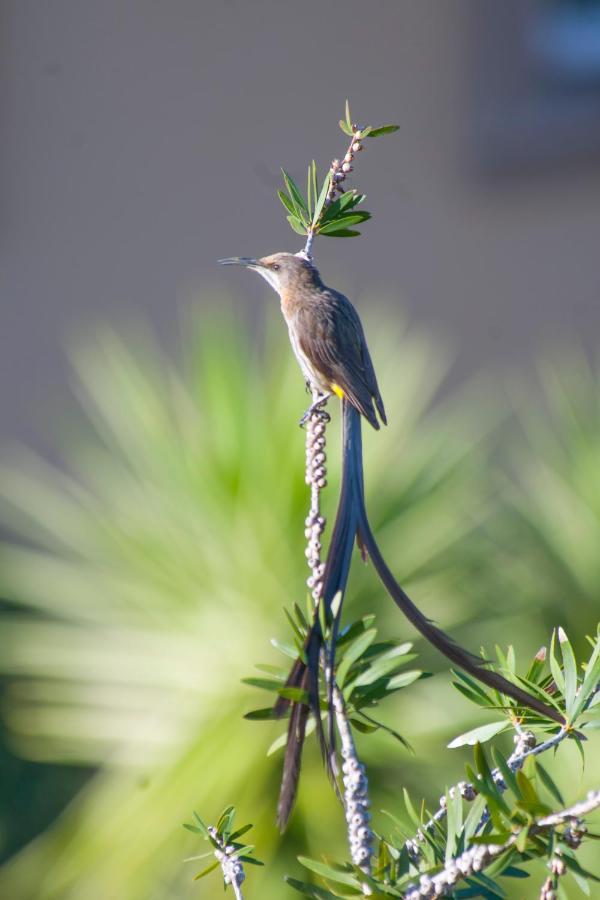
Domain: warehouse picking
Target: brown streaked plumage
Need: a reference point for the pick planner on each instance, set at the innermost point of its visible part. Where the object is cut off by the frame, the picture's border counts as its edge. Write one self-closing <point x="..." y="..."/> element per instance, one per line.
<point x="325" y="332"/>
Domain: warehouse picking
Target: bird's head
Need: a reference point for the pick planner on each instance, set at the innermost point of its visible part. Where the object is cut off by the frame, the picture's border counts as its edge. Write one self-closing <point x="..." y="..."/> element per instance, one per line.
<point x="283" y="271"/>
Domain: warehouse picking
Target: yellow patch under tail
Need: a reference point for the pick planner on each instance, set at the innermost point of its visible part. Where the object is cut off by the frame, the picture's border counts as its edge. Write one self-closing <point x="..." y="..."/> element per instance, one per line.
<point x="338" y="391"/>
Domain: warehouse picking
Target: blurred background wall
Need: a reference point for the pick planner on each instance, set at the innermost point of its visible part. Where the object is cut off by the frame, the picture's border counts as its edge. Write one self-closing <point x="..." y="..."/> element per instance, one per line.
<point x="141" y="140"/>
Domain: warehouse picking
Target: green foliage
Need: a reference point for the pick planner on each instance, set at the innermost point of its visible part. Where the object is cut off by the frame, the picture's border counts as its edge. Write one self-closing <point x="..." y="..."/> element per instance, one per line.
<point x="549" y="524"/>
<point x="222" y="838"/>
<point x="367" y="671"/>
<point x="514" y="797"/>
<point x="317" y="213"/>
<point x="147" y="569"/>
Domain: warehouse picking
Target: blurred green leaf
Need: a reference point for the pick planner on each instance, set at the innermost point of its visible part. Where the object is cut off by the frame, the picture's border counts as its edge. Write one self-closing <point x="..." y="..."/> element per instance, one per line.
<point x="309" y="890"/>
<point x="207" y="870"/>
<point x="336" y="873"/>
<point x="479" y="735"/>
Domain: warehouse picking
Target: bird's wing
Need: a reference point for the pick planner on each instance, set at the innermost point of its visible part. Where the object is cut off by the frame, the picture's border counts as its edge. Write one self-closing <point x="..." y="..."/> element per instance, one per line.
<point x="334" y="342"/>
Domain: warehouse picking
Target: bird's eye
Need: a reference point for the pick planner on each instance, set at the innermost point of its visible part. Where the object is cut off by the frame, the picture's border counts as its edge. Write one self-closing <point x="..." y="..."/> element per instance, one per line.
<point x="275" y="267"/>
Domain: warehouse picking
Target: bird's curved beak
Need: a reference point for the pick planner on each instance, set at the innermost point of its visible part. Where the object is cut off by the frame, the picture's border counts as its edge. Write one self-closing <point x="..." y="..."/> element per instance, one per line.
<point x="246" y="261"/>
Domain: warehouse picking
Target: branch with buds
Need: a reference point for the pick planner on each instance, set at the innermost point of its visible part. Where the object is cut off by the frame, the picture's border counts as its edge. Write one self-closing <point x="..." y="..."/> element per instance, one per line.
<point x="328" y="209"/>
<point x="479" y="857"/>
<point x="525" y="747"/>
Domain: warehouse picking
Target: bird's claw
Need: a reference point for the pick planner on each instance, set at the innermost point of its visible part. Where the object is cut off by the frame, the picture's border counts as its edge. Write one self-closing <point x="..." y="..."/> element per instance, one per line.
<point x="316" y="409"/>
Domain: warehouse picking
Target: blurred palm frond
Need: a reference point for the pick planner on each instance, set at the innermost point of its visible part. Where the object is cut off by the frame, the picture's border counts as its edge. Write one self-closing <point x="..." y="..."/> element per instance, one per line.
<point x="147" y="572"/>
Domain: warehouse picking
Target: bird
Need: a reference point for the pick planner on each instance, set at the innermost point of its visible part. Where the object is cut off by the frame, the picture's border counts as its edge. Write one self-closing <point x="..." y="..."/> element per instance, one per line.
<point x="325" y="332"/>
<point x="328" y="340"/>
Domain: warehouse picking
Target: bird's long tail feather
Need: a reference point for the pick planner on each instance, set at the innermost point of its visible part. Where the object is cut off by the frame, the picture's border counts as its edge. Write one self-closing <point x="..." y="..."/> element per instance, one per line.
<point x="352" y="524"/>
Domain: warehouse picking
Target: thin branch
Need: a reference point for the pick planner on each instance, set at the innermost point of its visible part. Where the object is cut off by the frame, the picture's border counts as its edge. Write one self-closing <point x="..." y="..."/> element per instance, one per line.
<point x="356" y="792"/>
<point x="338" y="173"/>
<point x="525" y="747"/>
<point x="356" y="786"/>
<point x="316" y="478"/>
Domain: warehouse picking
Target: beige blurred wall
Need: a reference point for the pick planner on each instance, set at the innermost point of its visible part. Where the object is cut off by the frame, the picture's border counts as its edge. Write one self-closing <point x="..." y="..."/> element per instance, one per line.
<point x="141" y="140"/>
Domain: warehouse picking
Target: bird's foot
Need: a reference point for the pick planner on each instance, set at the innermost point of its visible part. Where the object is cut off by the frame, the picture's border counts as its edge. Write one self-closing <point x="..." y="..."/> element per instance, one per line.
<point x="316" y="408"/>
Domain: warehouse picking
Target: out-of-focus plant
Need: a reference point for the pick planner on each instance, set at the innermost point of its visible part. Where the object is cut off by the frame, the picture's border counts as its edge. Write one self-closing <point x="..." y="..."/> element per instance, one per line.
<point x="550" y="530"/>
<point x="145" y="572"/>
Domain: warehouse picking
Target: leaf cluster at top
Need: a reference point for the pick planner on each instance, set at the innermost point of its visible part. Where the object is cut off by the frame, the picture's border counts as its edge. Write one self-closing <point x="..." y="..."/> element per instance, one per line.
<point x="315" y="212"/>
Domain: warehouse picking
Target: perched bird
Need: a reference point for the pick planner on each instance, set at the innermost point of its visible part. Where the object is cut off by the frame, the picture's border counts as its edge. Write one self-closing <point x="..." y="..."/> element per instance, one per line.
<point x="325" y="332"/>
<point x="329" y="342"/>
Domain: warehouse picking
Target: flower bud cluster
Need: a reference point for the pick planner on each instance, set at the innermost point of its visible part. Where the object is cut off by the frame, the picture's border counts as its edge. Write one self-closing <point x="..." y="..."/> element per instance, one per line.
<point x="471" y="861"/>
<point x="316" y="477"/>
<point x="233" y="870"/>
<point x="557" y="869"/>
<point x="341" y="168"/>
<point x="466" y="790"/>
<point x="356" y="793"/>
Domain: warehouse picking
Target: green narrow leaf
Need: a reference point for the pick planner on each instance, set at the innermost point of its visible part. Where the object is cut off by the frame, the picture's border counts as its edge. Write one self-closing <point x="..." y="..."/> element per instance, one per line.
<point x="237" y="834"/>
<point x="294" y="192"/>
<point x="344" y="222"/>
<point x="321" y="199"/>
<point x="590" y="680"/>
<point x="473" y="686"/>
<point x="295" y="694"/>
<point x="342" y="233"/>
<point x="403" y="679"/>
<point x="259" y="715"/>
<point x="302" y="621"/>
<point x="287" y="202"/>
<point x="554" y="666"/>
<point x="537" y="666"/>
<point x="309" y="890"/>
<point x="410" y="809"/>
<point x="474" y="816"/>
<point x="570" y="670"/>
<point x="315" y="189"/>
<point x="353" y="652"/>
<point x="293" y="625"/>
<point x="206" y="871"/>
<point x="266" y="684"/>
<point x="296" y="224"/>
<point x="348" y="117"/>
<point x="507" y="773"/>
<point x="345" y="128"/>
<point x="479" y="735"/>
<point x="338" y="874"/>
<point x="573" y="865"/>
<point x="309" y="199"/>
<point x="383" y="129"/>
<point x="203" y="827"/>
<point x="226" y="820"/>
<point x="285" y="648"/>
<point x="528" y="792"/>
<point x="548" y="782"/>
<point x="521" y="842"/>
